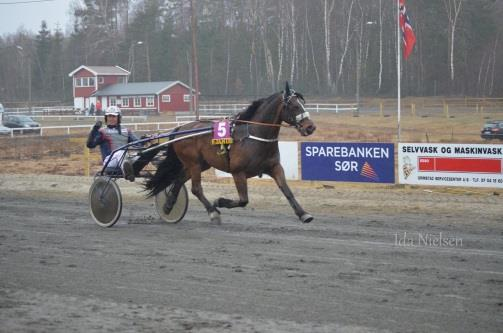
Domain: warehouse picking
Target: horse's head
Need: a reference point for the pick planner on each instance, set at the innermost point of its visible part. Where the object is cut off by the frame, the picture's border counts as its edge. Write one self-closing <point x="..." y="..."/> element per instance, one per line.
<point x="294" y="113"/>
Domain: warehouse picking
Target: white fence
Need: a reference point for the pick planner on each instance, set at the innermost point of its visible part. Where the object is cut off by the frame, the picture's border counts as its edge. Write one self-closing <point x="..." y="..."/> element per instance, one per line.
<point x="232" y="109"/>
<point x="45" y="110"/>
<point x="144" y="127"/>
<point x="83" y="117"/>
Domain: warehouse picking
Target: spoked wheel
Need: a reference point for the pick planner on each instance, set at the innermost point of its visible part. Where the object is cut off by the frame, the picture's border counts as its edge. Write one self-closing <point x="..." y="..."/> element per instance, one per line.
<point x="105" y="201"/>
<point x="179" y="207"/>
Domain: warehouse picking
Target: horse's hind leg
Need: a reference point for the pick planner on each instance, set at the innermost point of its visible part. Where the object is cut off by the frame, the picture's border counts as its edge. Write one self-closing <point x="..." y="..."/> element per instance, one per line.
<point x="172" y="195"/>
<point x="197" y="190"/>
<point x="278" y="174"/>
<point x="242" y="187"/>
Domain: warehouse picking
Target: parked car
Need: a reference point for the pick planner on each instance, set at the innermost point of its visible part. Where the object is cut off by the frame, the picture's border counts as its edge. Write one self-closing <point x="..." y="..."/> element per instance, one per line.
<point x="24" y="122"/>
<point x="492" y="130"/>
<point x="4" y="130"/>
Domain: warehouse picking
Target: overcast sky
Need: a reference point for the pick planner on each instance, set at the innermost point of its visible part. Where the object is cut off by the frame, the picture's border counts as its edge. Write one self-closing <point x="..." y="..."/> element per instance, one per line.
<point x="15" y="13"/>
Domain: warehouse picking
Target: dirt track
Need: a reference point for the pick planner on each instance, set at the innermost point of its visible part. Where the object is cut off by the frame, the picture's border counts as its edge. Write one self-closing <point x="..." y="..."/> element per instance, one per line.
<point x="358" y="267"/>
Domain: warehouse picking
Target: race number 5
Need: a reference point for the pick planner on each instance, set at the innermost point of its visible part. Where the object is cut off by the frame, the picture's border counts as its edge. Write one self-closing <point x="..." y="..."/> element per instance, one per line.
<point x="221" y="132"/>
<point x="222" y="129"/>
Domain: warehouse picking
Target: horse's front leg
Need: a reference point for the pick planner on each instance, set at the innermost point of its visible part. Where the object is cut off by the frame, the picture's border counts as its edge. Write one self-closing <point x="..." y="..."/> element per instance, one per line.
<point x="197" y="190"/>
<point x="242" y="188"/>
<point x="278" y="174"/>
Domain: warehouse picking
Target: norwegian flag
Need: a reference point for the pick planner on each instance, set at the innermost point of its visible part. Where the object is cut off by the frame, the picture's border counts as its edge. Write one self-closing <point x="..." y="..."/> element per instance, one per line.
<point x="408" y="36"/>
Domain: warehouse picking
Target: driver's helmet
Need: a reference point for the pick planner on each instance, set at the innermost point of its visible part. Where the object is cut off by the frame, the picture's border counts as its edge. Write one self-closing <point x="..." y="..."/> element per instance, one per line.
<point x="113" y="110"/>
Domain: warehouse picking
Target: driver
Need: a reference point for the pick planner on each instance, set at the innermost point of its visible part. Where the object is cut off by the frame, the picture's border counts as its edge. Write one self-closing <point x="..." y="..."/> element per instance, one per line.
<point x="110" y="138"/>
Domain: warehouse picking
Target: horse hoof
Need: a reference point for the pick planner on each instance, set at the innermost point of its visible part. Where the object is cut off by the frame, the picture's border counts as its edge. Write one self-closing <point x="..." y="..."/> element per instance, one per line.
<point x="306" y="218"/>
<point x="215" y="218"/>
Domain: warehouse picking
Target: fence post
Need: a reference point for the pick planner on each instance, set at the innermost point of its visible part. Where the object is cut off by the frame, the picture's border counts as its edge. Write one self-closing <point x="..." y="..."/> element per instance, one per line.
<point x="87" y="165"/>
<point x="413" y="109"/>
<point x="381" y="109"/>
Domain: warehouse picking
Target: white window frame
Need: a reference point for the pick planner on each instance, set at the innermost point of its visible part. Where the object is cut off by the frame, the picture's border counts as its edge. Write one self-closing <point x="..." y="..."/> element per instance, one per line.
<point x="78" y="82"/>
<point x="85" y="82"/>
<point x="113" y="101"/>
<point x="121" y="79"/>
<point x="101" y="79"/>
<point x="125" y="101"/>
<point x="166" y="98"/>
<point x="91" y="79"/>
<point x="186" y="98"/>
<point x="150" y="101"/>
<point x="137" y="99"/>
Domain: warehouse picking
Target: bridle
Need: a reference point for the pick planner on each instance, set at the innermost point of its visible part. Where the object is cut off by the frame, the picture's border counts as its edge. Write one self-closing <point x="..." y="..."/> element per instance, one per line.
<point x="292" y="121"/>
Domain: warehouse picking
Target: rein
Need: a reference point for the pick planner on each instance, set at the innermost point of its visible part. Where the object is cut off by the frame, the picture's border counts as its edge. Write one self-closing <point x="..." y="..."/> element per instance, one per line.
<point x="262" y="124"/>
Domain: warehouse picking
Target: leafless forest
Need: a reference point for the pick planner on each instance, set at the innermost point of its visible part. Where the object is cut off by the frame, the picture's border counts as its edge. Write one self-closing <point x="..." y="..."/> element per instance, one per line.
<point x="247" y="48"/>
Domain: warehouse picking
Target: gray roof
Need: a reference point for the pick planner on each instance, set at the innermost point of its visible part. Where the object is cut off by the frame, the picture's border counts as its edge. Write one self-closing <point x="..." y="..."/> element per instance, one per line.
<point x="136" y="88"/>
<point x="102" y="70"/>
<point x="108" y="70"/>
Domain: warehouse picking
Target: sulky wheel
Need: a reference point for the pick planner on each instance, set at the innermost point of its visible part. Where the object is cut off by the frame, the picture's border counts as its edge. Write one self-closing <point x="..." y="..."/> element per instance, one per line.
<point x="105" y="201"/>
<point x="179" y="207"/>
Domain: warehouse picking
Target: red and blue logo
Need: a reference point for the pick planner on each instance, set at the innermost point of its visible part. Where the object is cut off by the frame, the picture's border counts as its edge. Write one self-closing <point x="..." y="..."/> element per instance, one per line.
<point x="369" y="172"/>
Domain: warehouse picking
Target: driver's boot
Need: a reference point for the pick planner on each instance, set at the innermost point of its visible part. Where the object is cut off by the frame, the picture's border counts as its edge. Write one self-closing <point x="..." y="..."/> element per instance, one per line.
<point x="128" y="169"/>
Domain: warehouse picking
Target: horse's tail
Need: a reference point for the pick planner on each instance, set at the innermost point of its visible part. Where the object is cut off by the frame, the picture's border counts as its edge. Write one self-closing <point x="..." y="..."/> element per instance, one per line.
<point x="167" y="172"/>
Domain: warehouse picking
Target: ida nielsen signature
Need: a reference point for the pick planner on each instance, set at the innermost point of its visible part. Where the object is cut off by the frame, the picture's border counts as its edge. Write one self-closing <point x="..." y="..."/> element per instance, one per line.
<point x="427" y="239"/>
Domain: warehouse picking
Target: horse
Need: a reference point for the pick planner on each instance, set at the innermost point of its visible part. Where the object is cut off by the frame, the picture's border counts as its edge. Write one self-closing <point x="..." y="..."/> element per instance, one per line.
<point x="254" y="152"/>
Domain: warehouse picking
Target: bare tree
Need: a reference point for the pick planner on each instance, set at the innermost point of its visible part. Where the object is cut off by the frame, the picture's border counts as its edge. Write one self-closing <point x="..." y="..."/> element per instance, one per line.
<point x="328" y="8"/>
<point x="281" y="39"/>
<point x="495" y="49"/>
<point x="346" y="45"/>
<point x="452" y="8"/>
<point x="309" y="36"/>
<point x="294" y="66"/>
<point x="269" y="65"/>
<point x="380" y="47"/>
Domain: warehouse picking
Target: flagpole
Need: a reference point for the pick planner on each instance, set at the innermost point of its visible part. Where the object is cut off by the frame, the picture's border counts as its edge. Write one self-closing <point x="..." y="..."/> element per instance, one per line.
<point x="398" y="62"/>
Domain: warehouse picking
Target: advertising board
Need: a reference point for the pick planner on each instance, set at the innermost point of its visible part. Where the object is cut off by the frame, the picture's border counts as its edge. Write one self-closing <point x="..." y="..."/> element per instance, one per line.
<point x="348" y="162"/>
<point x="474" y="165"/>
<point x="289" y="158"/>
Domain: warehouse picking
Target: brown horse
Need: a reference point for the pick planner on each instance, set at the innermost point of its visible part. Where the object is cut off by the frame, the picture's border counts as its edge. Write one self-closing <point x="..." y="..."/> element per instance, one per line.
<point x="254" y="152"/>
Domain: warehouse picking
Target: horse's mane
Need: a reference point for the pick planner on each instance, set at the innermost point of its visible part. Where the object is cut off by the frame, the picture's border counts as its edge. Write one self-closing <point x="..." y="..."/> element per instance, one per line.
<point x="253" y="107"/>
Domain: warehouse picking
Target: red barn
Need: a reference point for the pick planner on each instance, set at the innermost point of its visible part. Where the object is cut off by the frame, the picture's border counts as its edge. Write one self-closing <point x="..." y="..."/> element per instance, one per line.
<point x="146" y="97"/>
<point x="109" y="86"/>
<point x="89" y="79"/>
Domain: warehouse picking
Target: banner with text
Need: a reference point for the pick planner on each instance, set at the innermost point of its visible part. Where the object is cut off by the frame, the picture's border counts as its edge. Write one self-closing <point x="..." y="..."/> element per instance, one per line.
<point x="348" y="162"/>
<point x="450" y="164"/>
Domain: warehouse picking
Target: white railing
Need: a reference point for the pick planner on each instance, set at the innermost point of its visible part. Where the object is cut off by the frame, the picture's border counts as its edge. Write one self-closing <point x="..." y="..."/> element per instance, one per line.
<point x="340" y="107"/>
<point x="192" y="118"/>
<point x="40" y="110"/>
<point x="222" y="109"/>
<point x="83" y="117"/>
<point x="231" y="109"/>
<point x="158" y="126"/>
